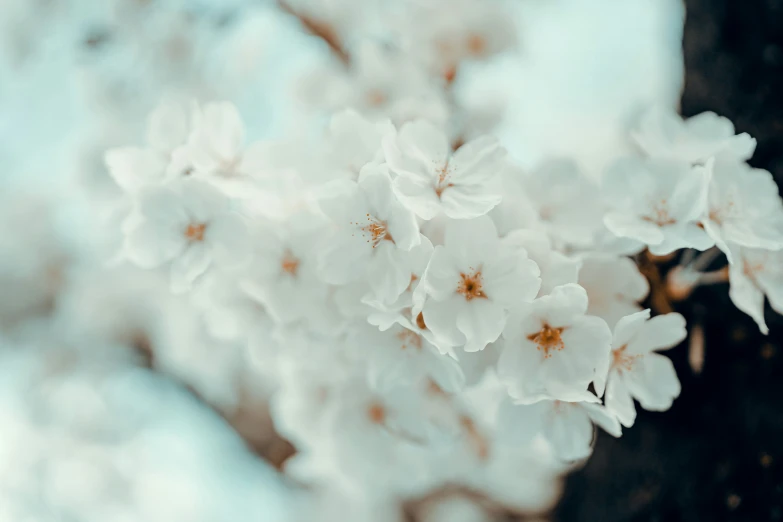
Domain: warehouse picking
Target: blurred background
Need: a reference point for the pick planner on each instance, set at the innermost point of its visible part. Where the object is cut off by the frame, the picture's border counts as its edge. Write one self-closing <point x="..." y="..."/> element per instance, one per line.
<point x="113" y="353"/>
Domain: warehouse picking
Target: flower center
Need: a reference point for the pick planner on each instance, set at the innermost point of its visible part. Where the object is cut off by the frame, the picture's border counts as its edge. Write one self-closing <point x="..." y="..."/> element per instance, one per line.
<point x="660" y="214"/>
<point x="377" y="413"/>
<point x="195" y="231"/>
<point x="420" y="321"/>
<point x="477" y="45"/>
<point x="290" y="264"/>
<point x="377" y="229"/>
<point x="442" y="183"/>
<point x="409" y="339"/>
<point x="470" y="286"/>
<point x="750" y="269"/>
<point x="622" y="361"/>
<point x="376" y="97"/>
<point x="548" y="339"/>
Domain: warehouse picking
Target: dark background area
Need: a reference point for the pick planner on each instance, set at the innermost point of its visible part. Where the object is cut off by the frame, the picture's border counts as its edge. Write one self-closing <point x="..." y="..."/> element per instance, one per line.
<point x="718" y="453"/>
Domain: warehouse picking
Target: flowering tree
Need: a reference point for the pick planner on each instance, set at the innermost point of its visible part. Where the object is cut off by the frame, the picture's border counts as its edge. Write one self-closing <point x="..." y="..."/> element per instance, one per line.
<point x="423" y="312"/>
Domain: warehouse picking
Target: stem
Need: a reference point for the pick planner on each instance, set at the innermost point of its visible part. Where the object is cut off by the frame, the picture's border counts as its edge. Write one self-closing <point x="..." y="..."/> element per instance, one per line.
<point x="704" y="259"/>
<point x="659" y="298"/>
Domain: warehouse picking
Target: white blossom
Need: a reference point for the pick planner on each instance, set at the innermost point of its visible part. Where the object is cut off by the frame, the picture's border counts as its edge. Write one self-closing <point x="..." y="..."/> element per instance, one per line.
<point x="430" y="179"/>
<point x="190" y="224"/>
<point x="756" y="273"/>
<point x="216" y="149"/>
<point x="471" y="283"/>
<point x="552" y="350"/>
<point x="658" y="202"/>
<point x="636" y="371"/>
<point x="663" y="134"/>
<point x="566" y="426"/>
<point x="743" y="208"/>
<point x="372" y="233"/>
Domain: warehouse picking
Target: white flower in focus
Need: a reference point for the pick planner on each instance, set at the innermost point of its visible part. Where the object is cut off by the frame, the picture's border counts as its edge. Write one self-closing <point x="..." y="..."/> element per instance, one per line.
<point x="190" y="224"/>
<point x="663" y="134"/>
<point x="743" y="208"/>
<point x="216" y="148"/>
<point x="566" y="426"/>
<point x="471" y="283"/>
<point x="636" y="371"/>
<point x="373" y="232"/>
<point x="614" y="286"/>
<point x="552" y="350"/>
<point x="657" y="202"/>
<point x="556" y="268"/>
<point x="353" y="141"/>
<point x="430" y="179"/>
<point x="754" y="274"/>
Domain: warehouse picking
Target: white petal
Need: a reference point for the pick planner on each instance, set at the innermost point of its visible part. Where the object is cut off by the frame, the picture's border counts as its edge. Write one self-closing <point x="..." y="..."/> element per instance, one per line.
<point x="482" y="321"/>
<point x="134" y="168"/>
<point x="441" y="318"/>
<point x="653" y="382"/>
<point x="193" y="262"/>
<point x="659" y="333"/>
<point x="570" y="432"/>
<point x="150" y="244"/>
<point x="228" y="239"/>
<point x="619" y="401"/>
<point x="746" y="296"/>
<point x="624" y="225"/>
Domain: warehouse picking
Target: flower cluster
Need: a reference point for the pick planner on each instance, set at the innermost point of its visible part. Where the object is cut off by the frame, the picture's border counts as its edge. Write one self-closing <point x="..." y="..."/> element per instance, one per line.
<point x="438" y="313"/>
<point x="430" y="312"/>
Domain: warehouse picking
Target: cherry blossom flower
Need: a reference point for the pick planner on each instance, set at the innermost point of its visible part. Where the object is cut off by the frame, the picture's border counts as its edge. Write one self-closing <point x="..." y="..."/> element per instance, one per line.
<point x="471" y="283"/>
<point x="743" y="207"/>
<point x="430" y="179"/>
<point x="658" y="202"/>
<point x="283" y="274"/>
<point x="552" y="350"/>
<point x="566" y="426"/>
<point x="614" y="286"/>
<point x="373" y="232"/>
<point x="636" y="371"/>
<point x="168" y="128"/>
<point x="754" y="274"/>
<point x="216" y="149"/>
<point x="190" y="224"/>
<point x="663" y="134"/>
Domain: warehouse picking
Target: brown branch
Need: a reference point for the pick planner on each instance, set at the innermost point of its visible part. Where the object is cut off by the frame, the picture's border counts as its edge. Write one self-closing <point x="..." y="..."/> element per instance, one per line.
<point x="319" y="29"/>
<point x="659" y="298"/>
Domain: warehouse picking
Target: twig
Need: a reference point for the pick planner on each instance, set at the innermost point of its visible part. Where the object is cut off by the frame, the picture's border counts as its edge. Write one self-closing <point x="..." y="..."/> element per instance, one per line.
<point x="320" y="29"/>
<point x="659" y="299"/>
